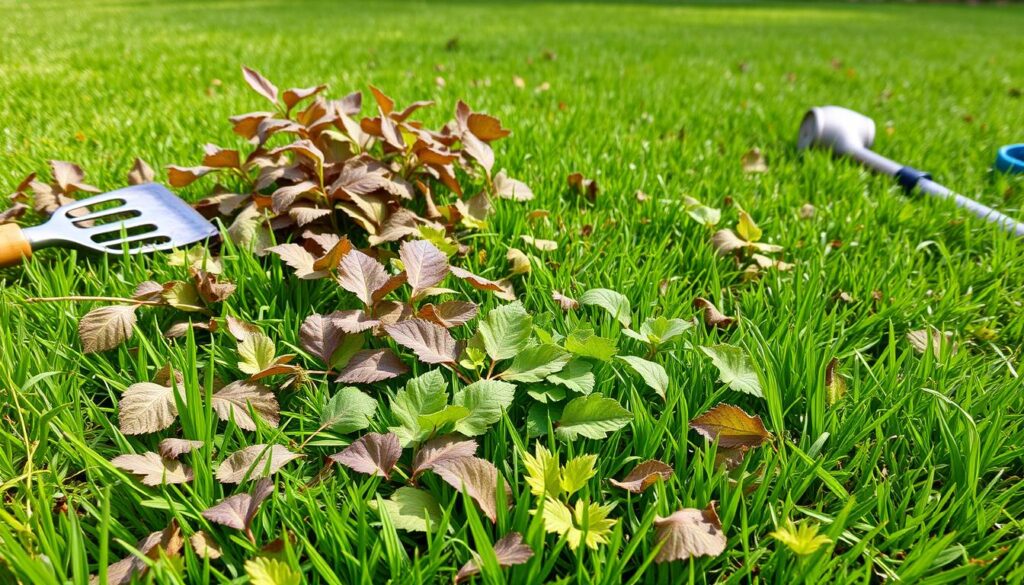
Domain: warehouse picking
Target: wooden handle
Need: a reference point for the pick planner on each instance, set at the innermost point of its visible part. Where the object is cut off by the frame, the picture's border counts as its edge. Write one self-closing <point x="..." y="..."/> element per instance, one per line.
<point x="13" y="246"/>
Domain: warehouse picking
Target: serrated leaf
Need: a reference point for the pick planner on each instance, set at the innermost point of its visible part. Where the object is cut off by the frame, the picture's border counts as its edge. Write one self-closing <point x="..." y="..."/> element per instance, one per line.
<point x="425" y="394"/>
<point x="536" y="362"/>
<point x="441" y="449"/>
<point x="576" y="376"/>
<point x="205" y="546"/>
<point x="424" y="264"/>
<point x="183" y="296"/>
<point x="577" y="472"/>
<point x="349" y="410"/>
<point x="172" y="447"/>
<point x="505" y="331"/>
<point x="586" y="343"/>
<point x="644" y="476"/>
<point x="485" y="400"/>
<point x="371" y="365"/>
<point x="147" y="408"/>
<point x="509" y="551"/>
<point x="689" y="533"/>
<point x="476" y="477"/>
<point x="543" y="473"/>
<point x="153" y="469"/>
<point x="238" y="511"/>
<point x="105" y="328"/>
<point x="410" y="508"/>
<point x="235" y="400"/>
<point x="735" y="369"/>
<point x="593" y="417"/>
<point x="654" y="374"/>
<point x="361" y="275"/>
<point x="586" y="523"/>
<point x="299" y="259"/>
<point x="254" y="462"/>
<point x="268" y="571"/>
<point x="662" y="330"/>
<point x="430" y="342"/>
<point x="256" y="353"/>
<point x="614" y="302"/>
<point x="731" y="426"/>
<point x="449" y="313"/>
<point x="372" y="454"/>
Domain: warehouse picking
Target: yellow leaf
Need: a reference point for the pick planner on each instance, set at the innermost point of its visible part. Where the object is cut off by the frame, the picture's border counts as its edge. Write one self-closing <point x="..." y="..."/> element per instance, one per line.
<point x="577" y="472"/>
<point x="267" y="571"/>
<point x="746" y="227"/>
<point x="542" y="472"/>
<point x="803" y="539"/>
<point x="586" y="523"/>
<point x="256" y="353"/>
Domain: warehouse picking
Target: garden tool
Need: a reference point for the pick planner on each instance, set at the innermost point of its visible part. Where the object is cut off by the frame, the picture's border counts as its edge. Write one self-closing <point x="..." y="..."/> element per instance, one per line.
<point x="851" y="134"/>
<point x="137" y="219"/>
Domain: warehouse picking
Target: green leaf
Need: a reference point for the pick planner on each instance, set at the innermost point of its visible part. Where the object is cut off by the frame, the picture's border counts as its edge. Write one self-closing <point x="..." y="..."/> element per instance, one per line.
<point x="577" y="472"/>
<point x="586" y="343"/>
<point x="614" y="302"/>
<point x="423" y="395"/>
<point x="485" y="400"/>
<point x="183" y="296"/>
<point x="540" y="417"/>
<point x="505" y="331"/>
<point x="268" y="571"/>
<point x="734" y="368"/>
<point x="576" y="376"/>
<point x="349" y="346"/>
<point x="410" y="508"/>
<point x="441" y="421"/>
<point x="546" y="393"/>
<point x="256" y="353"/>
<point x="585" y="523"/>
<point x="535" y="362"/>
<point x="653" y="374"/>
<point x="662" y="330"/>
<point x="543" y="473"/>
<point x="593" y="417"/>
<point x="349" y="410"/>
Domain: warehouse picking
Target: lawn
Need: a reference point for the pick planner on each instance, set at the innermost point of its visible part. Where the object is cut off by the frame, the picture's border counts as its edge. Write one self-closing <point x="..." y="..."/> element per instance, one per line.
<point x="913" y="474"/>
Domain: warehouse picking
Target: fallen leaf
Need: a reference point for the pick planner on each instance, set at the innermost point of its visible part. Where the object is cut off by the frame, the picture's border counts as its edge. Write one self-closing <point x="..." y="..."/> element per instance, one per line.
<point x="372" y="454"/>
<point x="153" y="469"/>
<point x="567" y="303"/>
<point x="753" y="161"/>
<point x="712" y="316"/>
<point x="412" y="509"/>
<point x="441" y="449"/>
<point x="105" y="328"/>
<point x="583" y="186"/>
<point x="475" y="476"/>
<point x="425" y="265"/>
<point x="140" y="173"/>
<point x="172" y="447"/>
<point x="542" y="245"/>
<point x="731" y="426"/>
<point x="689" y="533"/>
<point x="449" y="313"/>
<point x="509" y="551"/>
<point x="923" y="339"/>
<point x="147" y="408"/>
<point x="254" y="462"/>
<point x="204" y="546"/>
<point x="644" y="476"/>
<point x="430" y="342"/>
<point x="238" y="511"/>
<point x="371" y="365"/>
<point x="735" y="368"/>
<point x="235" y="400"/>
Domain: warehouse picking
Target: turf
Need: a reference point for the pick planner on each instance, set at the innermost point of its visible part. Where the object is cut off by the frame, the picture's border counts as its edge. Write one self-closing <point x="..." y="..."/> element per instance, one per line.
<point x="914" y="475"/>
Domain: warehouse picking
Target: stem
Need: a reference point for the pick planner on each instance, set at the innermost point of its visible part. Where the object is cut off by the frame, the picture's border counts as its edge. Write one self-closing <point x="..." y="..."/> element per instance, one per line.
<point x="490" y="370"/>
<point x="463" y="377"/>
<point x="313" y="435"/>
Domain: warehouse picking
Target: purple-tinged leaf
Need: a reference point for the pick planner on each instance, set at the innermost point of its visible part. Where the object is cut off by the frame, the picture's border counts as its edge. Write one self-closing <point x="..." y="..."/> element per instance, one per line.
<point x="372" y="365"/>
<point x="372" y="454"/>
<point x="431" y="343"/>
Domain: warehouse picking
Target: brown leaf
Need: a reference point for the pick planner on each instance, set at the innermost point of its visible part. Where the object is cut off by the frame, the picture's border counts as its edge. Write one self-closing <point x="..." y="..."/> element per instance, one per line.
<point x="475" y="476"/>
<point x="583" y="186"/>
<point x="486" y="128"/>
<point x="509" y="551"/>
<point x="923" y="339"/>
<point x="247" y="125"/>
<point x="221" y="158"/>
<point x="254" y="462"/>
<point x="70" y="177"/>
<point x="13" y="212"/>
<point x="731" y="426"/>
<point x="509" y="188"/>
<point x="712" y="316"/>
<point x="284" y="197"/>
<point x="235" y="400"/>
<point x="320" y="335"/>
<point x="390" y="286"/>
<point x="502" y="290"/>
<point x="689" y="533"/>
<point x="260" y="84"/>
<point x="726" y="241"/>
<point x="753" y="161"/>
<point x="185" y="176"/>
<point x="542" y="245"/>
<point x="204" y="546"/>
<point x="295" y="95"/>
<point x="168" y="541"/>
<point x="449" y="313"/>
<point x="567" y="303"/>
<point x="441" y="449"/>
<point x="172" y="448"/>
<point x="149" y="290"/>
<point x="386" y="104"/>
<point x="153" y="469"/>
<point x="644" y="476"/>
<point x="238" y="511"/>
<point x="147" y="408"/>
<point x="372" y="365"/>
<point x="240" y="329"/>
<point x="299" y="259"/>
<point x="140" y="173"/>
<point x="372" y="454"/>
<point x="211" y="289"/>
<point x="425" y="265"/>
<point x="431" y="343"/>
<point x="361" y="275"/>
<point x="105" y="328"/>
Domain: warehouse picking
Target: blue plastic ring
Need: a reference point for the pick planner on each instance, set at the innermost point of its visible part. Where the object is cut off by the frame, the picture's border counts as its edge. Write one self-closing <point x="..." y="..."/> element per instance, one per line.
<point x="1011" y="158"/>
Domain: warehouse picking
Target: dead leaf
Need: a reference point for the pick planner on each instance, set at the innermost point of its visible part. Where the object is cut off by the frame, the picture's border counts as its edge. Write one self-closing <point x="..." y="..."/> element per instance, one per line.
<point x="425" y="265"/>
<point x="172" y="447"/>
<point x="441" y="449"/>
<point x="371" y="365"/>
<point x="689" y="533"/>
<point x="509" y="551"/>
<point x="713" y="318"/>
<point x="140" y="173"/>
<point x="753" y="161"/>
<point x="147" y="408"/>
<point x="923" y="339"/>
<point x="361" y="275"/>
<point x="105" y="328"/>
<point x="235" y="400"/>
<point x="238" y="511"/>
<point x="583" y="186"/>
<point x="254" y="462"/>
<point x="153" y="469"/>
<point x="567" y="303"/>
<point x="204" y="546"/>
<point x="260" y="84"/>
<point x="731" y="426"/>
<point x="449" y="313"/>
<point x="644" y="476"/>
<point x="475" y="476"/>
<point x="542" y="245"/>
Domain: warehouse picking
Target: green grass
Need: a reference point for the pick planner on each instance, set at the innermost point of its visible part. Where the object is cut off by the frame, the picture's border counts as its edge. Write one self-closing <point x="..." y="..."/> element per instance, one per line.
<point x="914" y="475"/>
